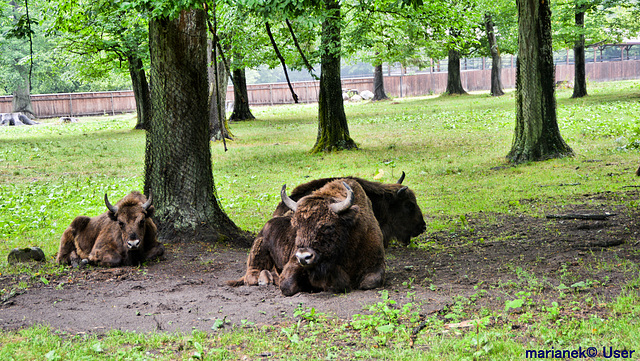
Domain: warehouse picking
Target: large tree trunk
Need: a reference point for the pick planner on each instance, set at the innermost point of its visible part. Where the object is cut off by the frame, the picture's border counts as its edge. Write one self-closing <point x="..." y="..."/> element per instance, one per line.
<point x="580" y="74"/>
<point x="496" y="62"/>
<point x="140" y="91"/>
<point x="178" y="157"/>
<point x="21" y="102"/>
<point x="333" y="132"/>
<point x="218" y="125"/>
<point x="537" y="136"/>
<point x="241" y="110"/>
<point x="378" y="84"/>
<point x="454" y="80"/>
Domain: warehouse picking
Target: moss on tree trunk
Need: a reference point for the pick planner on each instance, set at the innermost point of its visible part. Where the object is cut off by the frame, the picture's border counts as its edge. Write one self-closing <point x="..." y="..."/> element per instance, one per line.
<point x="333" y="131"/>
<point x="178" y="158"/>
<point x="537" y="136"/>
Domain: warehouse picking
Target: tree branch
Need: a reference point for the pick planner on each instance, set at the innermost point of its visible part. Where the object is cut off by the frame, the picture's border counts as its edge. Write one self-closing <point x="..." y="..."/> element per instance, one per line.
<point x="295" y="41"/>
<point x="284" y="65"/>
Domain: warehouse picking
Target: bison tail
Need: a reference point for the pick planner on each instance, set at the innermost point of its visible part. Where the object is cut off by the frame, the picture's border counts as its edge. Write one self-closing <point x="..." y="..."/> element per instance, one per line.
<point x="236" y="283"/>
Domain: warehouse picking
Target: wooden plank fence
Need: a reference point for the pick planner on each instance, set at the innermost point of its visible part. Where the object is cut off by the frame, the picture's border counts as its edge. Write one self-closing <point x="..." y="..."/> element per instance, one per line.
<point x="79" y="104"/>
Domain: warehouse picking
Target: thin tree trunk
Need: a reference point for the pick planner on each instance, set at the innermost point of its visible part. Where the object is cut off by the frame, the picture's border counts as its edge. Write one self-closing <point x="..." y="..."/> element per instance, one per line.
<point x="454" y="80"/>
<point x="537" y="136"/>
<point x="580" y="74"/>
<point x="333" y="131"/>
<point x="496" y="62"/>
<point x="378" y="84"/>
<point x="218" y="125"/>
<point x="178" y="158"/>
<point x="241" y="110"/>
<point x="140" y="91"/>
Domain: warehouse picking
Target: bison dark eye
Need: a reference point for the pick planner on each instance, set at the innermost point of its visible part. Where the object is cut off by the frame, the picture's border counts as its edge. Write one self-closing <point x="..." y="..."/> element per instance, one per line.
<point x="121" y="224"/>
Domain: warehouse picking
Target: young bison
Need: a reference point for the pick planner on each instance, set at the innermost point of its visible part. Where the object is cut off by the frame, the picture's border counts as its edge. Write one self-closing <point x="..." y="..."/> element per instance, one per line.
<point x="124" y="235"/>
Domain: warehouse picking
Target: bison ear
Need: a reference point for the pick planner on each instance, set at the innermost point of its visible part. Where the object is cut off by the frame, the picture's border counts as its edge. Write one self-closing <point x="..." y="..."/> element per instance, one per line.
<point x="150" y="211"/>
<point x="402" y="191"/>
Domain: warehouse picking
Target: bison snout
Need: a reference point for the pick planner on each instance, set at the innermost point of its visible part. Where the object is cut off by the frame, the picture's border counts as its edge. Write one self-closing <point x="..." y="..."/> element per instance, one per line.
<point x="306" y="256"/>
<point x="133" y="243"/>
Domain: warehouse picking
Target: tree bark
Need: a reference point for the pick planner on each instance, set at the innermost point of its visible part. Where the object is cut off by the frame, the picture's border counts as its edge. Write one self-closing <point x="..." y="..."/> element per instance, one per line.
<point x="21" y="101"/>
<point x="537" y="136"/>
<point x="378" y="84"/>
<point x="333" y="131"/>
<point x="178" y="158"/>
<point x="580" y="74"/>
<point x="496" y="62"/>
<point x="140" y="91"/>
<point x="454" y="80"/>
<point x="241" y="110"/>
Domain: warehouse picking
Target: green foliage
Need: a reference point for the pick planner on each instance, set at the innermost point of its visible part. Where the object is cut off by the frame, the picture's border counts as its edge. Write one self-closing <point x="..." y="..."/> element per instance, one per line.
<point x="387" y="321"/>
<point x="606" y="21"/>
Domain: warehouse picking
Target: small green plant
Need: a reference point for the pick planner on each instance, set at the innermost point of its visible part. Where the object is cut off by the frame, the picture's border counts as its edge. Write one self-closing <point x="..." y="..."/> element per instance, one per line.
<point x="387" y="319"/>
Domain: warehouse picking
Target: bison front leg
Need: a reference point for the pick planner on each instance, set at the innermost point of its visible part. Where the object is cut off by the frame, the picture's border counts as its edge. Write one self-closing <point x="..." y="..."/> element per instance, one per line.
<point x="294" y="279"/>
<point x="155" y="252"/>
<point x="373" y="279"/>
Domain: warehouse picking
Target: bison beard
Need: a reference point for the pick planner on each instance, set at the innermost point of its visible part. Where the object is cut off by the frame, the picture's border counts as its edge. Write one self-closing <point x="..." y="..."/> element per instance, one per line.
<point x="124" y="235"/>
<point x="394" y="206"/>
<point x="330" y="242"/>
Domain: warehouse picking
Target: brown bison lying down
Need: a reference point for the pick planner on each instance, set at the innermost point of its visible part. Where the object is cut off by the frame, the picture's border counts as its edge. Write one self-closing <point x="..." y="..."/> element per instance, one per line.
<point x="330" y="241"/>
<point x="394" y="206"/>
<point x="124" y="235"/>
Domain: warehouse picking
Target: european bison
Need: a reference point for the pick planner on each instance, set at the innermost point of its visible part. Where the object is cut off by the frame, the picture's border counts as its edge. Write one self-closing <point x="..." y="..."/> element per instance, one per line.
<point x="329" y="242"/>
<point x="394" y="206"/>
<point x="338" y="243"/>
<point x="124" y="235"/>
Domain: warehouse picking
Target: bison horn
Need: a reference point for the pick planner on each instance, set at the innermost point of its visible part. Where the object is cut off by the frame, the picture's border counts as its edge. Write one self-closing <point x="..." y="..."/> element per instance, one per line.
<point x="147" y="204"/>
<point x="110" y="207"/>
<point x="346" y="203"/>
<point x="286" y="200"/>
<point x="401" y="178"/>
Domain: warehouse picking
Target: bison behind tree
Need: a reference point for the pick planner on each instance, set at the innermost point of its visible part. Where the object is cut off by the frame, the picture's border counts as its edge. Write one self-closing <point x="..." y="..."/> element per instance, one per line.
<point x="124" y="235"/>
<point x="394" y="206"/>
<point x="330" y="242"/>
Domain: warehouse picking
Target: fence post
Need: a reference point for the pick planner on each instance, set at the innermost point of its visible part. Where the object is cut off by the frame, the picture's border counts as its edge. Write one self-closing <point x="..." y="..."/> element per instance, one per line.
<point x="270" y="93"/>
<point x="70" y="106"/>
<point x="113" y="109"/>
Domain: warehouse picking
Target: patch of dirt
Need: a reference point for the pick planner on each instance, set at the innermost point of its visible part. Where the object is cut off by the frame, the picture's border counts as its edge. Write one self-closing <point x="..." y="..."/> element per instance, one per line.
<point x="501" y="253"/>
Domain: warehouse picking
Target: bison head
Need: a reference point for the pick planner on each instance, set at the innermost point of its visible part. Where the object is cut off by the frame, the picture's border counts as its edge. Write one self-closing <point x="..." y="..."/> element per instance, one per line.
<point x="322" y="225"/>
<point x="131" y="213"/>
<point x="405" y="216"/>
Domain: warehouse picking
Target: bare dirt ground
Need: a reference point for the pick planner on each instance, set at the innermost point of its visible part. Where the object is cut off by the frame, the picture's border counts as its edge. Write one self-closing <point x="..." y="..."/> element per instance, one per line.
<point x="501" y="253"/>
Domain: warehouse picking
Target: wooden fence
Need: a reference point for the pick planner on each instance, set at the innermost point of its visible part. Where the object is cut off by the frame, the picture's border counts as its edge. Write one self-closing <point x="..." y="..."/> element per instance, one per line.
<point x="78" y="104"/>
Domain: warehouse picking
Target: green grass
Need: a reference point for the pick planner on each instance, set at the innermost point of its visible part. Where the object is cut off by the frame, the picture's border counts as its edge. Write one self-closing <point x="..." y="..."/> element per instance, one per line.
<point x="453" y="150"/>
